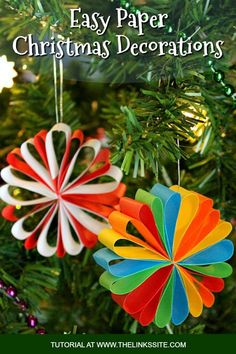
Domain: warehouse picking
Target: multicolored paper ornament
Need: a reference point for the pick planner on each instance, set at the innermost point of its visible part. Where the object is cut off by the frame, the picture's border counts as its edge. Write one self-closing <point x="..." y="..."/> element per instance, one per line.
<point x="172" y="260"/>
<point x="69" y="190"/>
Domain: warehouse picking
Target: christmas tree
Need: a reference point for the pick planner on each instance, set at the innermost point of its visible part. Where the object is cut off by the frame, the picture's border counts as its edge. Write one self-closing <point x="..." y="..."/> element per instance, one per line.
<point x="166" y="118"/>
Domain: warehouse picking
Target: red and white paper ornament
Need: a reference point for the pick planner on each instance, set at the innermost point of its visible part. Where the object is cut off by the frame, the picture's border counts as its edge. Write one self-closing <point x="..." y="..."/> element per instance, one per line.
<point x="77" y="204"/>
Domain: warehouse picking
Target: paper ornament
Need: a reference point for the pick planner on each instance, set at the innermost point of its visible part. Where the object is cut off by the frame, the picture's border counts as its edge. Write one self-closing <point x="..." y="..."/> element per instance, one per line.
<point x="65" y="183"/>
<point x="165" y="255"/>
<point x="7" y="73"/>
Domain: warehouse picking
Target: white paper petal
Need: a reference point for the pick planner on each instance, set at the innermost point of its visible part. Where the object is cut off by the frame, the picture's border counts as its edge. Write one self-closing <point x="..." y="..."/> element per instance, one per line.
<point x="99" y="188"/>
<point x="50" y="149"/>
<point x="85" y="219"/>
<point x="70" y="245"/>
<point x="36" y="187"/>
<point x="35" y="164"/>
<point x="93" y="144"/>
<point x="42" y="245"/>
<point x="18" y="230"/>
<point x="6" y="197"/>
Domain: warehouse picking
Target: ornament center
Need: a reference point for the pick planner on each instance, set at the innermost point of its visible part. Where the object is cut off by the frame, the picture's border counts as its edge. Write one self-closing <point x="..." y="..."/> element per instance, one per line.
<point x="58" y="195"/>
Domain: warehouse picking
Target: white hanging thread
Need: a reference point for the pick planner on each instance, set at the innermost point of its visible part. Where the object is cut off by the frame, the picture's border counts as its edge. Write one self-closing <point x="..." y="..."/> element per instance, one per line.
<point x="55" y="87"/>
<point x="61" y="90"/>
<point x="57" y="111"/>
<point x="169" y="329"/>
<point x="206" y="7"/>
<point x="179" y="167"/>
<point x="192" y="35"/>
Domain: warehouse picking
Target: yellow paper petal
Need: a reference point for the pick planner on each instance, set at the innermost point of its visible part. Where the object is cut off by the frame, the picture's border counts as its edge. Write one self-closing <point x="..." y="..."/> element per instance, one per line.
<point x="221" y="231"/>
<point x="194" y="299"/>
<point x="188" y="210"/>
<point x="109" y="238"/>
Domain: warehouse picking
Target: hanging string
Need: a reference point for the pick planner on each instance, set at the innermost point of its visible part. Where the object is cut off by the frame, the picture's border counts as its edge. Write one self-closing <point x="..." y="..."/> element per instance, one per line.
<point x="169" y="329"/>
<point x="206" y="7"/>
<point x="179" y="167"/>
<point x="61" y="89"/>
<point x="192" y="35"/>
<point x="55" y="88"/>
<point x="58" y="111"/>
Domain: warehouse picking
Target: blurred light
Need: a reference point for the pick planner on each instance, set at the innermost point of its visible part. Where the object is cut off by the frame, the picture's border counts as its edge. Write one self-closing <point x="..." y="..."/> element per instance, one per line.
<point x="94" y="106"/>
<point x="24" y="67"/>
<point x="7" y="73"/>
<point x="16" y="192"/>
<point x="202" y="121"/>
<point x="18" y="207"/>
<point x="28" y="76"/>
<point x="43" y="23"/>
<point x="188" y="114"/>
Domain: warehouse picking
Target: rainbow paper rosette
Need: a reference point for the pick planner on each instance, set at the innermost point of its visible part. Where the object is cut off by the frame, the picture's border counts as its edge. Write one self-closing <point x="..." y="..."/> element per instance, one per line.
<point x="165" y="255"/>
<point x="60" y="189"/>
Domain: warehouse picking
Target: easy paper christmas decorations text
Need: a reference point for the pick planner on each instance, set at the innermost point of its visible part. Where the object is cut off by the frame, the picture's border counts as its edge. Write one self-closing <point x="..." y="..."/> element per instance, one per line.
<point x="104" y="46"/>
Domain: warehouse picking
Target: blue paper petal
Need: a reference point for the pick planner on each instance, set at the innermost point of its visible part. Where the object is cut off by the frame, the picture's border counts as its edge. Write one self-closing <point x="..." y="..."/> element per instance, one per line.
<point x="180" y="308"/>
<point x="104" y="257"/>
<point x="220" y="252"/>
<point x="171" y="204"/>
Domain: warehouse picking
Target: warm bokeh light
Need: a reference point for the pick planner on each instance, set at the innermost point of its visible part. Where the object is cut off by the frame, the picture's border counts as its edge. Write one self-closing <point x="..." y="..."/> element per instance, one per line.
<point x="7" y="73"/>
<point x="202" y="121"/>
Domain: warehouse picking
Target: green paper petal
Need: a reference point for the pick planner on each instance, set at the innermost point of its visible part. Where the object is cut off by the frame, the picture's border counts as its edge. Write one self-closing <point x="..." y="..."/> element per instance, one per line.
<point x="157" y="209"/>
<point x="218" y="270"/>
<point x="106" y="279"/>
<point x="124" y="285"/>
<point x="164" y="310"/>
<point x="127" y="284"/>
